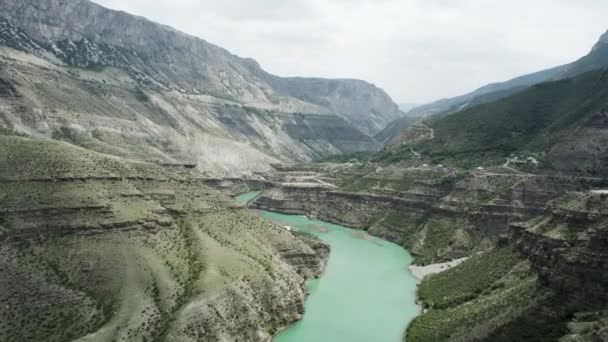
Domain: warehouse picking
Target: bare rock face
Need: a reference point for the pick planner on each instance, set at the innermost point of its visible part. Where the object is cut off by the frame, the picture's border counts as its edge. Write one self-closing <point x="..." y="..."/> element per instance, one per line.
<point x="125" y="112"/>
<point x="236" y="100"/>
<point x="365" y="106"/>
<point x="164" y="54"/>
<point x="308" y="265"/>
<point x="438" y="216"/>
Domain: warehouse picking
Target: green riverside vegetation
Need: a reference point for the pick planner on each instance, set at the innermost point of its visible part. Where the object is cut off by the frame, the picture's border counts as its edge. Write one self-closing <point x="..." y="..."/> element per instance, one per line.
<point x="468" y="281"/>
<point x="471" y="300"/>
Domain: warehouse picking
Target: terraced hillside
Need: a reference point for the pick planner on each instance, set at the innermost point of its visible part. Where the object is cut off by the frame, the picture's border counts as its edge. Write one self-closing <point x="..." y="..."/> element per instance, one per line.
<point x="543" y="282"/>
<point x="533" y="281"/>
<point x="438" y="213"/>
<point x="97" y="248"/>
<point x="470" y="301"/>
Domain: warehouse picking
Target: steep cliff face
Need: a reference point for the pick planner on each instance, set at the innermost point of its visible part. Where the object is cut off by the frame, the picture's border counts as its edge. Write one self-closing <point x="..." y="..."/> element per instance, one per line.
<point x="567" y="246"/>
<point x="107" y="111"/>
<point x="88" y="31"/>
<point x="99" y="248"/>
<point x="436" y="213"/>
<point x="544" y="280"/>
<point x="196" y="89"/>
<point x="362" y="104"/>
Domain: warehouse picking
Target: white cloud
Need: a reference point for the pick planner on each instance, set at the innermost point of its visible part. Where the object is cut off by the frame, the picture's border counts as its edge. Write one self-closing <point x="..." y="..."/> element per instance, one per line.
<point x="418" y="50"/>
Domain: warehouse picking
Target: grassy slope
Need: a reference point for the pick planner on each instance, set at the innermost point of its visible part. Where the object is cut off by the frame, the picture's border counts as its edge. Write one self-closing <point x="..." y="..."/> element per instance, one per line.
<point x="529" y="121"/>
<point x="27" y="158"/>
<point x="471" y="300"/>
<point x="121" y="253"/>
<point x="482" y="271"/>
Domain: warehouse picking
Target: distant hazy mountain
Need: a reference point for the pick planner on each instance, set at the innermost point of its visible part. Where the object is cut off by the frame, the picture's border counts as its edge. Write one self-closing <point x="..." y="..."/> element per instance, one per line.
<point x="597" y="58"/>
<point x="406" y="107"/>
<point x="395" y="128"/>
<point x="365" y="106"/>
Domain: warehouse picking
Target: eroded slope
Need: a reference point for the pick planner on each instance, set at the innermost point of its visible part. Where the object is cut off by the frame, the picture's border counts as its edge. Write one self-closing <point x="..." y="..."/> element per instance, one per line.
<point x="97" y="248"/>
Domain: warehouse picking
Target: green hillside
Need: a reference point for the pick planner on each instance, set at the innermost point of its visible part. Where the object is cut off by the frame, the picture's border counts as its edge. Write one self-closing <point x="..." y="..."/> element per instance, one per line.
<point x="531" y="122"/>
<point x="597" y="58"/>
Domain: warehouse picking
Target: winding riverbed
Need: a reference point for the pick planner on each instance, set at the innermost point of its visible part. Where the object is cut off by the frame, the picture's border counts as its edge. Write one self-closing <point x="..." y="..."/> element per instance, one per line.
<point x="366" y="292"/>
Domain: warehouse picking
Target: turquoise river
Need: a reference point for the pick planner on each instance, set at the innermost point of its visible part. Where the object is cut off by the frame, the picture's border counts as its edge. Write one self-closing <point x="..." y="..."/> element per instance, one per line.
<point x="365" y="294"/>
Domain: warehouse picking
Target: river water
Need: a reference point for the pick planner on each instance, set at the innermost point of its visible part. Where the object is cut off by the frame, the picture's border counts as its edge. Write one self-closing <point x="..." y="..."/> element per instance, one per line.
<point x="366" y="293"/>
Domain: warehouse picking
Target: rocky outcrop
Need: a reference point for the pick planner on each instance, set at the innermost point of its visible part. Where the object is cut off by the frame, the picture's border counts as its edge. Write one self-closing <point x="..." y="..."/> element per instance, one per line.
<point x="355" y="210"/>
<point x="362" y="104"/>
<point x="565" y="250"/>
<point x="308" y="265"/>
<point x="567" y="246"/>
<point x="237" y="186"/>
<point x="549" y="275"/>
<point x="404" y="220"/>
<point x="437" y="219"/>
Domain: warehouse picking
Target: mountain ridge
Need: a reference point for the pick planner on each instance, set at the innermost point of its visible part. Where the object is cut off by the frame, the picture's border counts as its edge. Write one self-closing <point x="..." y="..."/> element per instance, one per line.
<point x="601" y="42"/>
<point x="154" y="46"/>
<point x="172" y="87"/>
<point x="596" y="58"/>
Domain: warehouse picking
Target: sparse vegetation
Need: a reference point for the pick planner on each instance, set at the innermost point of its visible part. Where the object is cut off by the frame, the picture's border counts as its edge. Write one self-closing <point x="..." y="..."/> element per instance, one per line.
<point x="133" y="245"/>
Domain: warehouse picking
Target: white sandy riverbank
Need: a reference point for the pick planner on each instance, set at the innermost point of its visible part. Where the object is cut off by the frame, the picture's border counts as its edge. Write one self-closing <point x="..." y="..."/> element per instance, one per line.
<point x="420" y="272"/>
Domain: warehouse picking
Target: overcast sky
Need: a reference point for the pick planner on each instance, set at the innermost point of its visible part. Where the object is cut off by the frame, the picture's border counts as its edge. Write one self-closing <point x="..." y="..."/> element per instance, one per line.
<point x="417" y="50"/>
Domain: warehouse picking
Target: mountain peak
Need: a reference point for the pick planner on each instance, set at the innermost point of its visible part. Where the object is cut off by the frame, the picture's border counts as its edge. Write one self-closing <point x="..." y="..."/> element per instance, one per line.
<point x="602" y="42"/>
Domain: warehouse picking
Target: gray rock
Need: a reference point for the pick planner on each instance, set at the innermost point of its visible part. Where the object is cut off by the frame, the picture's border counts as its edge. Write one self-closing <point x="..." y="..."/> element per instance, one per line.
<point x="82" y="34"/>
<point x="602" y="42"/>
